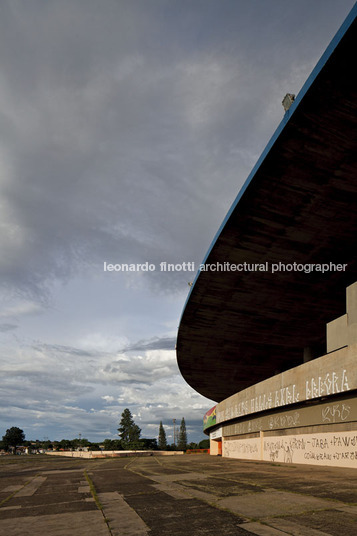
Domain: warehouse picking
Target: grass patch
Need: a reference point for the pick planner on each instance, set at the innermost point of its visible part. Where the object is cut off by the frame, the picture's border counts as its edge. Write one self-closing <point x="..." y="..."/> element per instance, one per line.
<point x="14" y="493"/>
<point x="96" y="499"/>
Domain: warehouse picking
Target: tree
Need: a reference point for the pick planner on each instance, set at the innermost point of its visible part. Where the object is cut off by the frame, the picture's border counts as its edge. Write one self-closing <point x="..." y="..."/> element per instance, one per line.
<point x="65" y="444"/>
<point x="14" y="437"/>
<point x="204" y="444"/>
<point x="182" y="441"/>
<point x="148" y="444"/>
<point x="80" y="442"/>
<point x="47" y="444"/>
<point x="129" y="432"/>
<point x="112" y="444"/>
<point x="162" y="437"/>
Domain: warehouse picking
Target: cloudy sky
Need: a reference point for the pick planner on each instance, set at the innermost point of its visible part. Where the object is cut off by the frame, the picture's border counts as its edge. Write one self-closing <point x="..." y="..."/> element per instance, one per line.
<point x="127" y="128"/>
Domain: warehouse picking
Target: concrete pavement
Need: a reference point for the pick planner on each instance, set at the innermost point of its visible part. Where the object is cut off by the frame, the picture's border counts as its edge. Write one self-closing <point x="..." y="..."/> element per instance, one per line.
<point x="195" y="495"/>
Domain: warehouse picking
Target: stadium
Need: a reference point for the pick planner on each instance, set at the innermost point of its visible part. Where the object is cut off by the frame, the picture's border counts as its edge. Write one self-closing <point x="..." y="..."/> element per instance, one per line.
<point x="269" y="329"/>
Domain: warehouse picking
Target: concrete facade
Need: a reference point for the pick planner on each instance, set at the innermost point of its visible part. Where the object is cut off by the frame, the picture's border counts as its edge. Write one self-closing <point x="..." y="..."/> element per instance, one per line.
<point x="330" y="375"/>
<point x="337" y="449"/>
<point x="343" y="331"/>
<point x="307" y="414"/>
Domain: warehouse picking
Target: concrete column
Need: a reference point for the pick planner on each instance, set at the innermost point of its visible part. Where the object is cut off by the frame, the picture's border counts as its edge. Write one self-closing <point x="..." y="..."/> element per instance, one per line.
<point x="308" y="354"/>
<point x="352" y="313"/>
<point x="337" y="333"/>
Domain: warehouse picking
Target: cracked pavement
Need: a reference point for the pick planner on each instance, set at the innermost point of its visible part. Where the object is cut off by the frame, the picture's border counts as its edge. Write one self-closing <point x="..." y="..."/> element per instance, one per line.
<point x="199" y="495"/>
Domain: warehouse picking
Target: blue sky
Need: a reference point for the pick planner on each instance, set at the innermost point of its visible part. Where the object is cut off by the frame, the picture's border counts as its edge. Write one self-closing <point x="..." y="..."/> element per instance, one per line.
<point x="127" y="129"/>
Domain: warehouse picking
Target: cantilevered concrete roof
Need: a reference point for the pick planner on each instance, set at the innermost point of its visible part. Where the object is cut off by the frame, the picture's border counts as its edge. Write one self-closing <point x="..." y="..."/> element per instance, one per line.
<point x="299" y="204"/>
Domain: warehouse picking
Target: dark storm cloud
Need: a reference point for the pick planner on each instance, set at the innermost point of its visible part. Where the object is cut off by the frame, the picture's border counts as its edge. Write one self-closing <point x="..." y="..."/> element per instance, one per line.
<point x="123" y="122"/>
<point x="164" y="343"/>
<point x="7" y="327"/>
<point x="59" y="348"/>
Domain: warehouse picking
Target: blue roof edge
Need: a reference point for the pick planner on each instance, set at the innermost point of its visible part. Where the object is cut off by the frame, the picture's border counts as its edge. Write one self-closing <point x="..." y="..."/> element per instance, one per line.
<point x="288" y="114"/>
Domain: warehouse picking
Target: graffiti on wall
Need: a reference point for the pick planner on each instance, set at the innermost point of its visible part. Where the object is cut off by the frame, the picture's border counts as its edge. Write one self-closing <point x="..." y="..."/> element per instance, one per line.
<point x="283" y="449"/>
<point x="332" y="448"/>
<point x="335" y="413"/>
<point x="337" y="449"/>
<point x="331" y="384"/>
<point x="340" y="411"/>
<point x="313" y="387"/>
<point x="326" y="449"/>
<point x="284" y="421"/>
<point x="248" y="449"/>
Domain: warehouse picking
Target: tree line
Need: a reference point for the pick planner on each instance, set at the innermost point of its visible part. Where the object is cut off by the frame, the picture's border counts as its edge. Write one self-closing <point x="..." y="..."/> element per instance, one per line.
<point x="129" y="439"/>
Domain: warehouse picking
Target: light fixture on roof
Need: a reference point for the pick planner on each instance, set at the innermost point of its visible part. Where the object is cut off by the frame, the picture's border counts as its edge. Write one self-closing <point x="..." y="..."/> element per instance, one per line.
<point x="288" y="100"/>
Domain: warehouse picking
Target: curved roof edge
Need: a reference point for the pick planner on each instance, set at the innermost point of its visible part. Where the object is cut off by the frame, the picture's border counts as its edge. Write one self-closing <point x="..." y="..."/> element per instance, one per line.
<point x="299" y="203"/>
<point x="288" y="114"/>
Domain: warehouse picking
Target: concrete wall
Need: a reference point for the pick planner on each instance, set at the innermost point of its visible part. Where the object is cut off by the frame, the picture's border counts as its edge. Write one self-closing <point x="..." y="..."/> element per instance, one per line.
<point x="343" y="330"/>
<point x="339" y="409"/>
<point x="307" y="414"/>
<point x="214" y="447"/>
<point x="337" y="333"/>
<point x="114" y="453"/>
<point x="323" y="433"/>
<point x="328" y="375"/>
<point x="338" y="448"/>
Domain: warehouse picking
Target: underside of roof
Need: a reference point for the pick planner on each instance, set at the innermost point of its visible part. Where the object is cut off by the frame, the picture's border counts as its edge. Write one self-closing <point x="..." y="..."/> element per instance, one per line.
<point x="298" y="205"/>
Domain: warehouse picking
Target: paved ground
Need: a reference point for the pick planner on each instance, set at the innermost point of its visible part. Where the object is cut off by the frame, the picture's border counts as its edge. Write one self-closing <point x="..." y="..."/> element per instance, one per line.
<point x="190" y="495"/>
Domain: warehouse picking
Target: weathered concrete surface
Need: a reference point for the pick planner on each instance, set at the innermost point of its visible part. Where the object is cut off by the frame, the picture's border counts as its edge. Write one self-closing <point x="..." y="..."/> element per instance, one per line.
<point x="32" y="487"/>
<point x="121" y="518"/>
<point x="329" y="375"/>
<point x="76" y="524"/>
<point x="287" y="527"/>
<point x="199" y="495"/>
<point x="273" y="503"/>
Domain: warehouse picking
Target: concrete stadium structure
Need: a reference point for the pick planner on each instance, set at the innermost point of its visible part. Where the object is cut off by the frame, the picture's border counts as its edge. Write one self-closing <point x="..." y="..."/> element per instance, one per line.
<point x="253" y="333"/>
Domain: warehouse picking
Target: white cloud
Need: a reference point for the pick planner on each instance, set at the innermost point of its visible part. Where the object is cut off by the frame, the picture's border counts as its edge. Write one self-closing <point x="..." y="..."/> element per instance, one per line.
<point x="108" y="399"/>
<point x="52" y="385"/>
<point x="21" y="308"/>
